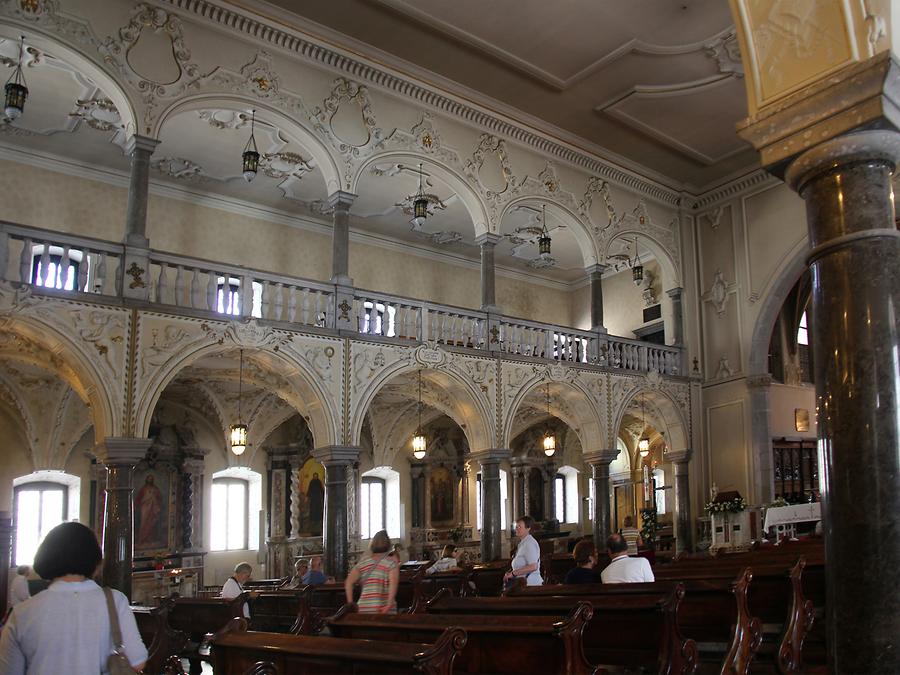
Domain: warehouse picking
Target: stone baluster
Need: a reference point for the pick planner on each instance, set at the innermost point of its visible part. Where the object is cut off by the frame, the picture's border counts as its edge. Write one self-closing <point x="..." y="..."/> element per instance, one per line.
<point x="337" y="460"/>
<point x="683" y="523"/>
<point x="599" y="463"/>
<point x="491" y="527"/>
<point x="120" y="456"/>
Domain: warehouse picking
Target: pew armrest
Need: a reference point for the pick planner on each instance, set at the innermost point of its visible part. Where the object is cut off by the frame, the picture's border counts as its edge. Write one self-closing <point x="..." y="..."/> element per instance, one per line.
<point x="438" y="658"/>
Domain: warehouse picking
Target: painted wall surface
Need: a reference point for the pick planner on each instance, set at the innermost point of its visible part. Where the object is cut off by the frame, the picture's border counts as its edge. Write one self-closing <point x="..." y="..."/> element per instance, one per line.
<point x="783" y="401"/>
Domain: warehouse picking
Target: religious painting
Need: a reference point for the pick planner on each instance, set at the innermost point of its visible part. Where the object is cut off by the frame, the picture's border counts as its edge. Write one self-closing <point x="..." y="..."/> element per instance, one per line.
<point x="154" y="517"/>
<point x="312" y="497"/>
<point x="441" y="495"/>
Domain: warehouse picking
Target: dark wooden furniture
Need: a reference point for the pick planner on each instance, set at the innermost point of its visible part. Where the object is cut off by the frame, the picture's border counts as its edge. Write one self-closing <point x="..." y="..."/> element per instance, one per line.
<point x="199" y="618"/>
<point x="161" y="640"/>
<point x="239" y="653"/>
<point x="496" y="643"/>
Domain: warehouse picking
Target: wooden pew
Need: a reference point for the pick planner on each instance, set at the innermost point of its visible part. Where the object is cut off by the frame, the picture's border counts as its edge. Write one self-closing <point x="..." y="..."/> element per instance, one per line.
<point x="459" y="585"/>
<point x="200" y="617"/>
<point x="160" y="639"/>
<point x="239" y="653"/>
<point x="286" y="611"/>
<point x="495" y="644"/>
<point x="488" y="578"/>
<point x="633" y="630"/>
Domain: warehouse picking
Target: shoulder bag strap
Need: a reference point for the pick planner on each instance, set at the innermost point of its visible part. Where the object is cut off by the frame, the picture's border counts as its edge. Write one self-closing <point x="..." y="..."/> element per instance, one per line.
<point x="113" y="620"/>
<point x="364" y="577"/>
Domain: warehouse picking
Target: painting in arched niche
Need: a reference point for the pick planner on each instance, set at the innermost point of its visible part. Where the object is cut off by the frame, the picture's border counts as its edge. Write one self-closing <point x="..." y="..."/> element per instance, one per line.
<point x="442" y="483"/>
<point x="312" y="497"/>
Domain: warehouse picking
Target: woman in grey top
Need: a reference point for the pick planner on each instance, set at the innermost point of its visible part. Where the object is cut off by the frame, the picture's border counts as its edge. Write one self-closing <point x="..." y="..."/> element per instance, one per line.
<point x="527" y="561"/>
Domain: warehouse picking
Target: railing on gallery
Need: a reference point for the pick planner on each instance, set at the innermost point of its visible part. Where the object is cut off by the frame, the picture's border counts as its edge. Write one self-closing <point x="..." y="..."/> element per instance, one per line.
<point x="68" y="263"/>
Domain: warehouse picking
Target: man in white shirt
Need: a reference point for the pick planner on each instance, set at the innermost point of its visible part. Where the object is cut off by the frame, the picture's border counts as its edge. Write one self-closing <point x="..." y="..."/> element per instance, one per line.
<point x="234" y="586"/>
<point x="18" y="591"/>
<point x="621" y="568"/>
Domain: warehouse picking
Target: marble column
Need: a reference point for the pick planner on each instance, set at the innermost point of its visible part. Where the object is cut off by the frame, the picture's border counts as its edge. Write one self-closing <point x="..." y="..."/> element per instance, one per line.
<point x="340" y="203"/>
<point x="427" y="496"/>
<point x="192" y="503"/>
<point x="676" y="295"/>
<point x="417" y="516"/>
<point x="119" y="456"/>
<point x="465" y="494"/>
<point x="337" y="460"/>
<point x="599" y="463"/>
<point x="595" y="273"/>
<point x="550" y="491"/>
<point x="683" y="523"/>
<point x="6" y="536"/>
<point x="488" y="242"/>
<point x="491" y="529"/>
<point x="134" y="272"/>
<point x="855" y="331"/>
<point x="295" y="497"/>
<point x="518" y="507"/>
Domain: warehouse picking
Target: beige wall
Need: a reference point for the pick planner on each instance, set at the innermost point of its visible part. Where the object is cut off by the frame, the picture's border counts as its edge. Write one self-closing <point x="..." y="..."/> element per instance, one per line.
<point x="783" y="401"/>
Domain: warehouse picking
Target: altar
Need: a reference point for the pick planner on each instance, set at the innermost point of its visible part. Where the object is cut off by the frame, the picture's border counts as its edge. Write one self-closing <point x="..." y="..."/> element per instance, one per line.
<point x="783" y="518"/>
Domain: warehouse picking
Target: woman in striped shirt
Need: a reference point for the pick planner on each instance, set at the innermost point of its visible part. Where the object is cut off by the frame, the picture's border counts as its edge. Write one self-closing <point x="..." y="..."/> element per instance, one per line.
<point x="378" y="574"/>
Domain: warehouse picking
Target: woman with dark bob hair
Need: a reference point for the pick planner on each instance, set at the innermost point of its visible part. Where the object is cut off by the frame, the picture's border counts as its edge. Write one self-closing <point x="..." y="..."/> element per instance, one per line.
<point x="66" y="629"/>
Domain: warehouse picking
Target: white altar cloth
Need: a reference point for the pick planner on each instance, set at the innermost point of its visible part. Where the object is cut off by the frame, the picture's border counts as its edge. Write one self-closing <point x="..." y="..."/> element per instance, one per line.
<point x="793" y="513"/>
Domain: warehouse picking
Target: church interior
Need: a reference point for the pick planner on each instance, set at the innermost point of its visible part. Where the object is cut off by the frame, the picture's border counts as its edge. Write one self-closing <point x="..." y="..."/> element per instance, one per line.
<point x="284" y="275"/>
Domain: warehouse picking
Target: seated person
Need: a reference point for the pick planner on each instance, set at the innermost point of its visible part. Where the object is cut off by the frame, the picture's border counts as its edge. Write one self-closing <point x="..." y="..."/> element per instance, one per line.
<point x="315" y="575"/>
<point x="585" y="558"/>
<point x="18" y="591"/>
<point x="449" y="561"/>
<point x="623" y="569"/>
<point x="300" y="570"/>
<point x="632" y="535"/>
<point x="234" y="586"/>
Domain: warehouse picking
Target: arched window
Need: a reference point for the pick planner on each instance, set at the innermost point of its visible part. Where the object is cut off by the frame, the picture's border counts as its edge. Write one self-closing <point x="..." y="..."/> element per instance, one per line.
<point x="379" y="503"/>
<point x="566" y="494"/>
<point x="41" y="501"/>
<point x="236" y="498"/>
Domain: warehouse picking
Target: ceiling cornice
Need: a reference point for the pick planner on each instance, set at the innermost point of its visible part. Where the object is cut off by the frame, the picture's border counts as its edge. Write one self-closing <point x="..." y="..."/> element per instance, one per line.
<point x="733" y="188"/>
<point x="261" y="22"/>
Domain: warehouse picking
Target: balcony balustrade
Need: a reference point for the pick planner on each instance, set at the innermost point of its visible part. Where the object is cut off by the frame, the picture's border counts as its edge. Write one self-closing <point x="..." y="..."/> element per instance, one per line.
<point x="55" y="263"/>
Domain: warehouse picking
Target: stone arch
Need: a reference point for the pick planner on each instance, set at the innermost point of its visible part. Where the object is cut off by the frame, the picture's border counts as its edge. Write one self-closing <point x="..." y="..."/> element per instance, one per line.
<point x="580" y="230"/>
<point x="50" y="349"/>
<point x="453" y="176"/>
<point x="84" y="62"/>
<point x="306" y="394"/>
<point x="666" y="412"/>
<point x="472" y="412"/>
<point x="671" y="276"/>
<point x="585" y="420"/>
<point x="325" y="162"/>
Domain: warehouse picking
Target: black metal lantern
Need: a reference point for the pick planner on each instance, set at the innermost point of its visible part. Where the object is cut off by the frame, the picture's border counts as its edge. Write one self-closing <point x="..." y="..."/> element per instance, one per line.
<point x="544" y="239"/>
<point x="420" y="203"/>
<point x="16" y="91"/>
<point x="419" y="442"/>
<point x="637" y="270"/>
<point x="549" y="441"/>
<point x="250" y="163"/>
<point x="238" y="434"/>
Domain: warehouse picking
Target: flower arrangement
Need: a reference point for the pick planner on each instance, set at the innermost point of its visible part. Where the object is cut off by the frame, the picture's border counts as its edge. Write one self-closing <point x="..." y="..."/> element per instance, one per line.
<point x="781" y="501"/>
<point x="649" y="525"/>
<point x="735" y="505"/>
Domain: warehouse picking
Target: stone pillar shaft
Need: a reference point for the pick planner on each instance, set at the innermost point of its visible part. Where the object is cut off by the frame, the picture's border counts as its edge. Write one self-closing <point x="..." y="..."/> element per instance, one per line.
<point x="491" y="528"/>
<point x="427" y="500"/>
<point x="677" y="294"/>
<point x="846" y="184"/>
<point x="6" y="534"/>
<point x="595" y="272"/>
<point x="683" y="523"/>
<point x="140" y="149"/>
<point x="341" y="202"/>
<point x="336" y="460"/>
<point x="488" y="243"/>
<point x="119" y="455"/>
<point x="599" y="463"/>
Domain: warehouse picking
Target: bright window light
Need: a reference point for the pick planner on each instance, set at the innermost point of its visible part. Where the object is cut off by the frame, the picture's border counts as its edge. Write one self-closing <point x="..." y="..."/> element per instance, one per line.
<point x="38" y="510"/>
<point x="802" y="332"/>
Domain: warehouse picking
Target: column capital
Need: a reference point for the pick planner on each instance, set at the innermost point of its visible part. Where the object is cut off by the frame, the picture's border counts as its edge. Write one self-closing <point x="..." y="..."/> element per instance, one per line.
<point x="488" y="238"/>
<point x="676" y="292"/>
<point x="122" y="451"/>
<point x="340" y="200"/>
<point x="490" y="456"/>
<point x="597" y="268"/>
<point x="145" y="143"/>
<point x="680" y="456"/>
<point x="600" y="457"/>
<point x="337" y="455"/>
<point x="760" y="381"/>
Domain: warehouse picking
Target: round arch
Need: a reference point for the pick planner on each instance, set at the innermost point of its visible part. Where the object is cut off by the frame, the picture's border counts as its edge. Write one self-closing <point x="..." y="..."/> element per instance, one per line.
<point x="660" y="253"/>
<point x="84" y="62"/>
<point x="664" y="412"/>
<point x="472" y="412"/>
<point x="57" y="353"/>
<point x="325" y="162"/>
<point x="580" y="230"/>
<point x="585" y="420"/>
<point x="307" y="395"/>
<point x="453" y="177"/>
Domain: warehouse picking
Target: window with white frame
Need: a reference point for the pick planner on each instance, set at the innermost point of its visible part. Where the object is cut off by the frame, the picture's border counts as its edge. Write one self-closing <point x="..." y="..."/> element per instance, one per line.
<point x="566" y="495"/>
<point x="58" y="274"/>
<point x="504" y="500"/>
<point x="659" y="480"/>
<point x="228" y="297"/>
<point x="41" y="501"/>
<point x="372" y="502"/>
<point x="234" y="523"/>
